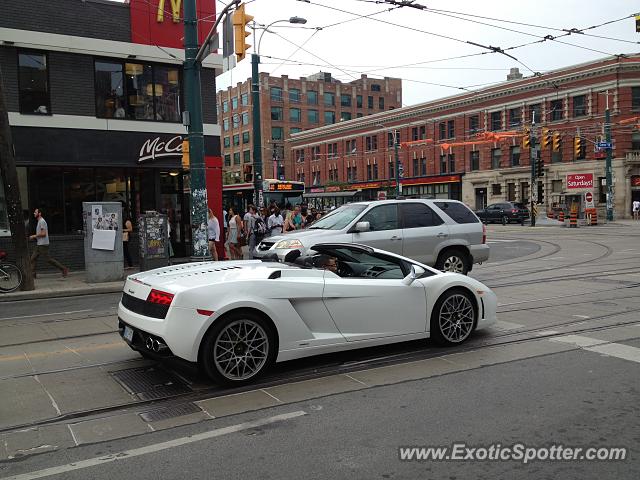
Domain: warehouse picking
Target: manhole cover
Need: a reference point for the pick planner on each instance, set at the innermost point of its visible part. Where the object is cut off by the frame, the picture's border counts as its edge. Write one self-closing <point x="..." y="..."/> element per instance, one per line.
<point x="170" y="412"/>
<point x="150" y="383"/>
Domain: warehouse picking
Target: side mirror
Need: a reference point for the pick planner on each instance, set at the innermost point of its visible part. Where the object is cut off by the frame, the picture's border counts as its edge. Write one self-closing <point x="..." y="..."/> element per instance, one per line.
<point x="362" y="227"/>
<point x="415" y="272"/>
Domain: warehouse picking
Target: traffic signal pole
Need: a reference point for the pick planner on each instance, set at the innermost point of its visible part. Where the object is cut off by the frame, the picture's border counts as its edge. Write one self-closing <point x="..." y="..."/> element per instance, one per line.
<point x="257" y="136"/>
<point x="397" y="159"/>
<point x="609" y="176"/>
<point x="195" y="134"/>
<point x="533" y="156"/>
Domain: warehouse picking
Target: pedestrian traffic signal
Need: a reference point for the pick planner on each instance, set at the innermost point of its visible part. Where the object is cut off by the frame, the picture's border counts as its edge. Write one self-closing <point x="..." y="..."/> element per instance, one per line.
<point x="240" y="20"/>
<point x="637" y="23"/>
<point x="185" y="154"/>
<point x="248" y="173"/>
<point x="546" y="137"/>
<point x="556" y="141"/>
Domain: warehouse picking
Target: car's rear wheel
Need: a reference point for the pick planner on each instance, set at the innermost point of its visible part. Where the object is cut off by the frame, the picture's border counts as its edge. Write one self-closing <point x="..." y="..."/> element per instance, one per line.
<point x="238" y="349"/>
<point x="453" y="317"/>
<point x="453" y="260"/>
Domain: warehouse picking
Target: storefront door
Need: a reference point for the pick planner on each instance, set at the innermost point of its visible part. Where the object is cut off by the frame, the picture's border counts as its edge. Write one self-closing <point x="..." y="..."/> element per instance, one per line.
<point x="176" y="204"/>
<point x="481" y="198"/>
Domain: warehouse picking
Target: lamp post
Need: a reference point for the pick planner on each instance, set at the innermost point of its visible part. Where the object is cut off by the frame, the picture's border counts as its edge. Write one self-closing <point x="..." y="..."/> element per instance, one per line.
<point x="255" y="99"/>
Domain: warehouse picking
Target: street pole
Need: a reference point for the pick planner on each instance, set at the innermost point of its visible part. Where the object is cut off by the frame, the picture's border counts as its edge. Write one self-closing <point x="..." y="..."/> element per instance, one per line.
<point x="12" y="195"/>
<point x="397" y="159"/>
<point x="607" y="127"/>
<point x="533" y="157"/>
<point x="257" y="136"/>
<point x="195" y="134"/>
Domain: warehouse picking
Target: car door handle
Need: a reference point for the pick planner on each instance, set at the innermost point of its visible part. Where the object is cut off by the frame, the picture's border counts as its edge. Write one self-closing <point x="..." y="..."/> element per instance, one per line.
<point x="442" y="234"/>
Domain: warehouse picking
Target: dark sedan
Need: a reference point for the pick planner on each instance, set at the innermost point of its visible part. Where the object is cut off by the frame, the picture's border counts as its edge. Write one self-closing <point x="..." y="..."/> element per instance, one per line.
<point x="504" y="212"/>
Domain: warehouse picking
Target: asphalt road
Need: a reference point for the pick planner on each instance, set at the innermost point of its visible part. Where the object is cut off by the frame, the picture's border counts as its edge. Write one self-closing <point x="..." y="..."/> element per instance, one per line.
<point x="559" y="367"/>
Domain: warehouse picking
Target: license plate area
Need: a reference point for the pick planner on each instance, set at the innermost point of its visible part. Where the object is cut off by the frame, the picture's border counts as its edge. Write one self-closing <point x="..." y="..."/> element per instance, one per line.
<point x="128" y="333"/>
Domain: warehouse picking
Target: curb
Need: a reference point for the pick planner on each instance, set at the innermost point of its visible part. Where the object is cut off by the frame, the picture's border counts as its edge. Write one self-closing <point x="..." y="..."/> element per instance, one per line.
<point x="44" y="294"/>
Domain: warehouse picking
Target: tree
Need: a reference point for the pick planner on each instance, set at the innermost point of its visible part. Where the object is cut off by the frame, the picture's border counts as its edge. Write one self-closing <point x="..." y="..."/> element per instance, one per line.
<point x="12" y="194"/>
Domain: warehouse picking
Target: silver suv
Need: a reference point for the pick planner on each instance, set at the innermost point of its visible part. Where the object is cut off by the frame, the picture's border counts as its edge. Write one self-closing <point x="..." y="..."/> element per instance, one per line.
<point x="444" y="234"/>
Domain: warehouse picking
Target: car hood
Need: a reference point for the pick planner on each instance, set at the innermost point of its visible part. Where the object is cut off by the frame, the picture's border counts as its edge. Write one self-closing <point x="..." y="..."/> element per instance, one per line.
<point x="179" y="277"/>
<point x="303" y="234"/>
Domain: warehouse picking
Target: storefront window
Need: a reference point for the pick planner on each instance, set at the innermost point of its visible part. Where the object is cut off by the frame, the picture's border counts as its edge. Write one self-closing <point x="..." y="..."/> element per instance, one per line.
<point x="45" y="193"/>
<point x="33" y="83"/>
<point x="79" y="186"/>
<point x="137" y="91"/>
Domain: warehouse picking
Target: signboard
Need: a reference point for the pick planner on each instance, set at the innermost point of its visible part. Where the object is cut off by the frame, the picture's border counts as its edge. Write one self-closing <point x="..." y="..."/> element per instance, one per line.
<point x="606" y="145"/>
<point x="382" y="195"/>
<point x="588" y="200"/>
<point x="153" y="236"/>
<point x="635" y="180"/>
<point x="285" y="187"/>
<point x="580" y="181"/>
<point x="155" y="148"/>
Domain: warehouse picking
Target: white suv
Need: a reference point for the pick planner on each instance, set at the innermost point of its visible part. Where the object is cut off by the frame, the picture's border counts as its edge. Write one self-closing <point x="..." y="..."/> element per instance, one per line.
<point x="444" y="234"/>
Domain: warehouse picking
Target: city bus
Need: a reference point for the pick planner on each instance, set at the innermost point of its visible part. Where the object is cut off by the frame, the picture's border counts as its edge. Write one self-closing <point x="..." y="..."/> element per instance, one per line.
<point x="282" y="192"/>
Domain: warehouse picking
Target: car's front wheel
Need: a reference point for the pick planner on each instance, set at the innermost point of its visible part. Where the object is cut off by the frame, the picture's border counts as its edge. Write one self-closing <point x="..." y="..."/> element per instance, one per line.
<point x="453" y="317"/>
<point x="453" y="260"/>
<point x="238" y="348"/>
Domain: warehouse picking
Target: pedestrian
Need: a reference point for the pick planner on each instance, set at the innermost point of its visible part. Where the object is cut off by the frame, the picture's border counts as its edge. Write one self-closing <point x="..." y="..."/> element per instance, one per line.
<point x="249" y="222"/>
<point x="297" y="219"/>
<point x="636" y="209"/>
<point x="275" y="222"/>
<point x="42" y="245"/>
<point x="213" y="232"/>
<point x="127" y="231"/>
<point x="235" y="229"/>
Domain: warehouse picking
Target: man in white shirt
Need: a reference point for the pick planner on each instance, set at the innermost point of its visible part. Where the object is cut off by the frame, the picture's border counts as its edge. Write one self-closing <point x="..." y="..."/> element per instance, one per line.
<point x="249" y="221"/>
<point x="42" y="245"/>
<point x="275" y="222"/>
<point x="636" y="209"/>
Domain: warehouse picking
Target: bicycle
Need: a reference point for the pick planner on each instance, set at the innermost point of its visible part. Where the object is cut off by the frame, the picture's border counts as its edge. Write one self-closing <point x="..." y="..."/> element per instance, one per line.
<point x="10" y="275"/>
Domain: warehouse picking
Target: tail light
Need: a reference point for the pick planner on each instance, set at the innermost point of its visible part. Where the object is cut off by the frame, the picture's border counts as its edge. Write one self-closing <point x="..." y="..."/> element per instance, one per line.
<point x="484" y="233"/>
<point x="514" y="211"/>
<point x="160" y="297"/>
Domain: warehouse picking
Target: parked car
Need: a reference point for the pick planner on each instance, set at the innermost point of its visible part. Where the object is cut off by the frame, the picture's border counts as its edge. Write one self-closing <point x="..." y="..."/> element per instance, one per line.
<point x="444" y="234"/>
<point x="504" y="212"/>
<point x="237" y="318"/>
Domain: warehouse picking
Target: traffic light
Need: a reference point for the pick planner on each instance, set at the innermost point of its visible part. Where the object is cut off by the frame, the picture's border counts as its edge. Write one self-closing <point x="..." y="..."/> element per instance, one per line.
<point x="577" y="146"/>
<point x="185" y="154"/>
<point x="240" y="20"/>
<point x="637" y="23"/>
<point x="546" y="137"/>
<point x="526" y="139"/>
<point x="540" y="192"/>
<point x="539" y="167"/>
<point x="248" y="173"/>
<point x="556" y="141"/>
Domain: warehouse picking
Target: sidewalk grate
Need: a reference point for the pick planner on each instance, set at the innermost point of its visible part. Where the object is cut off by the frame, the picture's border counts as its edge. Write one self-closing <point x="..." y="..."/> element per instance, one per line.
<point x="150" y="383"/>
<point x="170" y="412"/>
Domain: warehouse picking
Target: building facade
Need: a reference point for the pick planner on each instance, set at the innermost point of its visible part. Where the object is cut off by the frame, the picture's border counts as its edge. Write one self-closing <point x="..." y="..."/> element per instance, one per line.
<point x="445" y="147"/>
<point x="95" y="98"/>
<point x="288" y="106"/>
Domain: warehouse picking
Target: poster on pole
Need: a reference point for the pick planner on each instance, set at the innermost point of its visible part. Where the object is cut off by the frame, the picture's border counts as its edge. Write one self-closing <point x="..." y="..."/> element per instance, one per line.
<point x="104" y="240"/>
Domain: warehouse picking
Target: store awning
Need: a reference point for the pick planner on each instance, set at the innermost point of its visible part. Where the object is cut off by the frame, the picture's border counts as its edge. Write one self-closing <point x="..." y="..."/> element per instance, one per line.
<point x="330" y="194"/>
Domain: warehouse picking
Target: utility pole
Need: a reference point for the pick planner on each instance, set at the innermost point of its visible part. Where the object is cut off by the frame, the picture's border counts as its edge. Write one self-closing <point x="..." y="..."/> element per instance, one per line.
<point x="195" y="129"/>
<point x="397" y="159"/>
<point x="533" y="156"/>
<point x="12" y="195"/>
<point x="257" y="136"/>
<point x="609" y="176"/>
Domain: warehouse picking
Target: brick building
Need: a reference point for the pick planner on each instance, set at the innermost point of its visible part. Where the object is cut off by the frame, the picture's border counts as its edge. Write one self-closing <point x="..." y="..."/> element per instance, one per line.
<point x="94" y="96"/>
<point x="446" y="157"/>
<point x="288" y="106"/>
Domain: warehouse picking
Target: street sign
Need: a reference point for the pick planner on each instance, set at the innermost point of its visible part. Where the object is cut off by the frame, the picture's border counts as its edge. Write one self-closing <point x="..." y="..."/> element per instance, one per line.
<point x="382" y="195"/>
<point x="605" y="145"/>
<point x="588" y="200"/>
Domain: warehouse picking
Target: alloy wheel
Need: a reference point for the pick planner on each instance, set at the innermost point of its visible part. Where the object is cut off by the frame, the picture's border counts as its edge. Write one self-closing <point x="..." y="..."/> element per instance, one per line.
<point x="456" y="318"/>
<point x="241" y="350"/>
<point x="453" y="264"/>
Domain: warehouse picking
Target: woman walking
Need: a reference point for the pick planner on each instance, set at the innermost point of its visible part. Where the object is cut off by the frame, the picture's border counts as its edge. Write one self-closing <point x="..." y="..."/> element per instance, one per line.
<point x="235" y="227"/>
<point x="213" y="231"/>
<point x="127" y="231"/>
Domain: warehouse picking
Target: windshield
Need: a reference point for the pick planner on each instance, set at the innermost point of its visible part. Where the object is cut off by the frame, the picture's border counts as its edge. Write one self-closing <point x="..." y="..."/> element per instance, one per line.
<point x="339" y="218"/>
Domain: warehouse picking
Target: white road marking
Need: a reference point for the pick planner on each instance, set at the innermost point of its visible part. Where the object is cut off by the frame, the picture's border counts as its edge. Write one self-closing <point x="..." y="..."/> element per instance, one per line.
<point x="501" y="241"/>
<point x="610" y="349"/>
<point x="547" y="332"/>
<point x="47" y="314"/>
<point x="158" y="447"/>
<point x="581" y="316"/>
<point x="53" y="401"/>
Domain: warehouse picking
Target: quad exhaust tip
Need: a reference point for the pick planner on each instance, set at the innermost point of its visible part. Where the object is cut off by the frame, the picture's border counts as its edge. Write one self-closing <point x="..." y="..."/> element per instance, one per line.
<point x="154" y="345"/>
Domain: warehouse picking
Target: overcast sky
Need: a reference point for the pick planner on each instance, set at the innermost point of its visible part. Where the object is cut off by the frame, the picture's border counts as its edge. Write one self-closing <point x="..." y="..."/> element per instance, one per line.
<point x="365" y="45"/>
